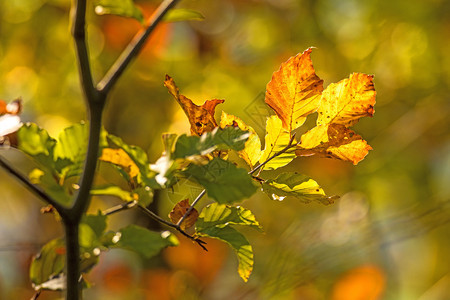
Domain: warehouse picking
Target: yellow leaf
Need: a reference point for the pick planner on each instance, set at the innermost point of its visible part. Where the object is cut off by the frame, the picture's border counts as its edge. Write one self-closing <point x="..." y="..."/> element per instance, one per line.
<point x="294" y="90"/>
<point x="252" y="151"/>
<point x="347" y="101"/>
<point x="201" y="118"/>
<point x="120" y="157"/>
<point x="277" y="138"/>
<point x="178" y="212"/>
<point x="333" y="140"/>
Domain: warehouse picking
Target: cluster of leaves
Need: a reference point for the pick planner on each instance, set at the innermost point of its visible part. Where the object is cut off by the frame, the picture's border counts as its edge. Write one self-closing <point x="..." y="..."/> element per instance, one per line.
<point x="294" y="93"/>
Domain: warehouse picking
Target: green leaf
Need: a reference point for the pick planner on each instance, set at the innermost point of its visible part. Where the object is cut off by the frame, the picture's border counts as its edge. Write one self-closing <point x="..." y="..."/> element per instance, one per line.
<point x="87" y="237"/>
<point x="50" y="185"/>
<point x="112" y="190"/>
<point x="96" y="222"/>
<point x="238" y="242"/>
<point x="182" y="14"/>
<point x="276" y="139"/>
<point x="36" y="142"/>
<point x="123" y="8"/>
<point x="298" y="186"/>
<point x="218" y="139"/>
<point x="143" y="241"/>
<point x="144" y="195"/>
<point x="221" y="215"/>
<point x="223" y="181"/>
<point x="47" y="265"/>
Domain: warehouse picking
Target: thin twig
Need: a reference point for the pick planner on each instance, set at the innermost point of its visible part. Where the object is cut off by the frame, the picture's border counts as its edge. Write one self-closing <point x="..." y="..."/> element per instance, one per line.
<point x="178" y="228"/>
<point x="187" y="213"/>
<point x="134" y="47"/>
<point x="34" y="188"/>
<point x="121" y="207"/>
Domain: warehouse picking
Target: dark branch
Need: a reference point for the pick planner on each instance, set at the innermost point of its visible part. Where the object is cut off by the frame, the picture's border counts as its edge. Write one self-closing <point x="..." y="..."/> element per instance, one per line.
<point x="134" y="47"/>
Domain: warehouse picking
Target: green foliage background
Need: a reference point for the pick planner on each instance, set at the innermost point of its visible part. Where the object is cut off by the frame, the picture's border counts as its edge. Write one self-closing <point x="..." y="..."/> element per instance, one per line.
<point x="394" y="210"/>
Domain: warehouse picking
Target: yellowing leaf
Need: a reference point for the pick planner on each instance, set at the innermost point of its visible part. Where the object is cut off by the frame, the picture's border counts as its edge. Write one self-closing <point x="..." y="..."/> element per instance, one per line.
<point x="277" y="138"/>
<point x="120" y="157"/>
<point x="201" y="118"/>
<point x="178" y="212"/>
<point x="347" y="101"/>
<point x="294" y="90"/>
<point x="333" y="140"/>
<point x="252" y="151"/>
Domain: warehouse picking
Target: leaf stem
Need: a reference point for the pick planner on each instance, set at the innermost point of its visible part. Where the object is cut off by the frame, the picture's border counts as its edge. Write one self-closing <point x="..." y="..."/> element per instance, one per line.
<point x="289" y="145"/>
<point x="134" y="47"/>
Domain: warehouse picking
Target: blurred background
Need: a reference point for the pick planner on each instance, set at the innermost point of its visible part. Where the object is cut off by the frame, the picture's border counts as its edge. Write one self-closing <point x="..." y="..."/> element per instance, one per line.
<point x="389" y="235"/>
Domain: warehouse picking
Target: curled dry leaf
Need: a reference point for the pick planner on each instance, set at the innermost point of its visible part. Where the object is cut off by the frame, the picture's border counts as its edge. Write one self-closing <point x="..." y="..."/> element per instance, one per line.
<point x="178" y="212"/>
<point x="294" y="90"/>
<point x="201" y="117"/>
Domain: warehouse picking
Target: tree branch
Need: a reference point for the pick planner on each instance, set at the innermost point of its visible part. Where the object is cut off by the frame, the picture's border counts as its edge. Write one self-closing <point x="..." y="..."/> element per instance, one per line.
<point x="134" y="47"/>
<point x="34" y="188"/>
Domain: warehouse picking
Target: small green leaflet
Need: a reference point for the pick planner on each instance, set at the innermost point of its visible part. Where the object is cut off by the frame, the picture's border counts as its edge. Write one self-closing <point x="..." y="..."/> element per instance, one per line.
<point x="298" y="186"/>
<point x="143" y="241"/>
<point x="123" y="8"/>
<point x="96" y="222"/>
<point x="37" y="143"/>
<point x="214" y="221"/>
<point x="182" y="14"/>
<point x="218" y="139"/>
<point x="223" y="181"/>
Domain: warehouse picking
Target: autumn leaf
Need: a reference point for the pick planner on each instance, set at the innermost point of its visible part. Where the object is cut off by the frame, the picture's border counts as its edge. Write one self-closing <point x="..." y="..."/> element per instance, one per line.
<point x="178" y="212"/>
<point x="277" y="138"/>
<point x="120" y="158"/>
<point x="252" y="151"/>
<point x="342" y="105"/>
<point x="347" y="101"/>
<point x="294" y="90"/>
<point x="201" y="117"/>
<point x="333" y="140"/>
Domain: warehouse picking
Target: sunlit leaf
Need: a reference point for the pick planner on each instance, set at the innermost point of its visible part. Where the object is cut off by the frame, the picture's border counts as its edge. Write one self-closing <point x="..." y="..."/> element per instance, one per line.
<point x="223" y="181"/>
<point x="37" y="143"/>
<point x="221" y="215"/>
<point x="347" y="101"/>
<point x="294" y="90"/>
<point x="217" y="139"/>
<point x="201" y="117"/>
<point x="50" y="185"/>
<point x="277" y="138"/>
<point x="112" y="190"/>
<point x="178" y="212"/>
<point x="123" y="8"/>
<point x="298" y="186"/>
<point x="238" y="242"/>
<point x="143" y="241"/>
<point x="183" y="14"/>
<point x="252" y="150"/>
<point x="333" y="140"/>
<point x="120" y="158"/>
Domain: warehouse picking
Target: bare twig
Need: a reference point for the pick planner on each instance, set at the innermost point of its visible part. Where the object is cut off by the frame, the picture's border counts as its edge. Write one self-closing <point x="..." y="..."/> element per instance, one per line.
<point x="189" y="210"/>
<point x="121" y="207"/>
<point x="176" y="226"/>
<point x="134" y="47"/>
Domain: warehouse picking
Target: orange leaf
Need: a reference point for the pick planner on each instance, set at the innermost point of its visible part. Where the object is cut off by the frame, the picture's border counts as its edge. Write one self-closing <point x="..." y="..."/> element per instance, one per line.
<point x="364" y="282"/>
<point x="333" y="140"/>
<point x="294" y="90"/>
<point x="120" y="157"/>
<point x="347" y="101"/>
<point x="12" y="108"/>
<point x="201" y="118"/>
<point x="178" y="212"/>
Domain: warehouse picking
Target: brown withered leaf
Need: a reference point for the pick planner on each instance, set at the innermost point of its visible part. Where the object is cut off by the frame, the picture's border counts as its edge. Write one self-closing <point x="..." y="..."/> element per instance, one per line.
<point x="178" y="212"/>
<point x="12" y="108"/>
<point x="201" y="117"/>
<point x="294" y="90"/>
<point x="347" y="101"/>
<point x="333" y="140"/>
